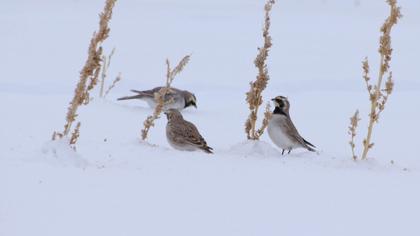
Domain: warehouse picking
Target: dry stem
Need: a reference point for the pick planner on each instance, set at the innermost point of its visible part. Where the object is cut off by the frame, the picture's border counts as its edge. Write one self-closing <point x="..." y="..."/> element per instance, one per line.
<point x="75" y="135"/>
<point x="253" y="97"/>
<point x="267" y="117"/>
<point x="106" y="62"/>
<point x="91" y="69"/>
<point x="116" y="80"/>
<point x="378" y="97"/>
<point x="160" y="96"/>
<point x="354" y="121"/>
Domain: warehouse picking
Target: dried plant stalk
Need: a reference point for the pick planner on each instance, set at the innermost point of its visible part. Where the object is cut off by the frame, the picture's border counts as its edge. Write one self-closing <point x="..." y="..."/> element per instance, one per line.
<point x="106" y="62"/>
<point x="254" y="97"/>
<point x="160" y="96"/>
<point x="116" y="80"/>
<point x="91" y="69"/>
<point x="93" y="79"/>
<point x="378" y="96"/>
<point x="354" y="121"/>
<point x="267" y="117"/>
<point x="378" y="99"/>
<point x="75" y="135"/>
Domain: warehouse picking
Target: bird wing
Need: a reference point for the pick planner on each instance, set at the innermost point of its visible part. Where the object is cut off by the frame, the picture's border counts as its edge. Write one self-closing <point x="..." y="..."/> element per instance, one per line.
<point x="147" y="93"/>
<point x="172" y="93"/>
<point x="140" y="94"/>
<point x="291" y="130"/>
<point x="155" y="90"/>
<point x="189" y="134"/>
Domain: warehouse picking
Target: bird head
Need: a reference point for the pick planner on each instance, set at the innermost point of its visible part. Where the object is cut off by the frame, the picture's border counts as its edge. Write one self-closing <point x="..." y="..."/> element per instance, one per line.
<point x="190" y="99"/>
<point x="282" y="103"/>
<point x="173" y="114"/>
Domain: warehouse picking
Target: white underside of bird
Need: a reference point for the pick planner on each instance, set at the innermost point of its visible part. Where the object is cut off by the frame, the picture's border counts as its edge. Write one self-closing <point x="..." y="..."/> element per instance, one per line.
<point x="178" y="104"/>
<point x="278" y="133"/>
<point x="184" y="147"/>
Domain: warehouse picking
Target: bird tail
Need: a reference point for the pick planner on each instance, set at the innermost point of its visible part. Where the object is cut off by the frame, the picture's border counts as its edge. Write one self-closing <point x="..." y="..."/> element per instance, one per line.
<point x="140" y="92"/>
<point x="207" y="149"/>
<point x="139" y="96"/>
<point x="310" y="149"/>
<point x="309" y="146"/>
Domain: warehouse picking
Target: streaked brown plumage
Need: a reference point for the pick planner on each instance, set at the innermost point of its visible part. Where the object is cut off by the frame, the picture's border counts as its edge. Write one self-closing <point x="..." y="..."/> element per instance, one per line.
<point x="183" y="135"/>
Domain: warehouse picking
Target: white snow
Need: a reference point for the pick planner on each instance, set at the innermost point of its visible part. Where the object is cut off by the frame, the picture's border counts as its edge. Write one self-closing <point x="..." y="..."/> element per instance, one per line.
<point x="114" y="184"/>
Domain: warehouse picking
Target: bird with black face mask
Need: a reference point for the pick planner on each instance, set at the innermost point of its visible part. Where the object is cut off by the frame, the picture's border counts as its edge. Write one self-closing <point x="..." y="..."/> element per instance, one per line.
<point x="281" y="129"/>
<point x="175" y="98"/>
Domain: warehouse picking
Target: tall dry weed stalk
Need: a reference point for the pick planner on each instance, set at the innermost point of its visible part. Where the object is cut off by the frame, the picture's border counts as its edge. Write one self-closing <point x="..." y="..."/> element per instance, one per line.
<point x="254" y="97"/>
<point x="89" y="74"/>
<point x="378" y="95"/>
<point x="160" y="96"/>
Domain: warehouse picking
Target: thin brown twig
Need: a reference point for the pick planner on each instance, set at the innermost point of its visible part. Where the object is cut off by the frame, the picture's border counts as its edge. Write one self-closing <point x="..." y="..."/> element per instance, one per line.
<point x="106" y="62"/>
<point x="354" y="121"/>
<point x="116" y="80"/>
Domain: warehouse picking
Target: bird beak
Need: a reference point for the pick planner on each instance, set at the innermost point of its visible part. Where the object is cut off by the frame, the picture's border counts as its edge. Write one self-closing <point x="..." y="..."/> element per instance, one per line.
<point x="192" y="103"/>
<point x="273" y="99"/>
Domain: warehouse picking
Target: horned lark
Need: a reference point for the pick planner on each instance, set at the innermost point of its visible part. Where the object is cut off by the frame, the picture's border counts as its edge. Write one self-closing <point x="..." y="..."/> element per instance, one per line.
<point x="281" y="129"/>
<point x="182" y="134"/>
<point x="176" y="98"/>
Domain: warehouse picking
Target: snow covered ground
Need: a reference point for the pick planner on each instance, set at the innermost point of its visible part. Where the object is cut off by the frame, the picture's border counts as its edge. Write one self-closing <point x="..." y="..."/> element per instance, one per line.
<point x="115" y="185"/>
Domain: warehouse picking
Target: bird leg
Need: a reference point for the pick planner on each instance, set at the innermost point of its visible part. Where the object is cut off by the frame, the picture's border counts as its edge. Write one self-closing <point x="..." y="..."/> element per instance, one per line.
<point x="289" y="151"/>
<point x="282" y="152"/>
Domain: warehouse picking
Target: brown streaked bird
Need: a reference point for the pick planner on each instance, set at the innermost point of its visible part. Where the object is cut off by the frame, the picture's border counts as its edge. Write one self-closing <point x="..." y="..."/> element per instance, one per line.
<point x="281" y="129"/>
<point x="176" y="98"/>
<point x="183" y="135"/>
